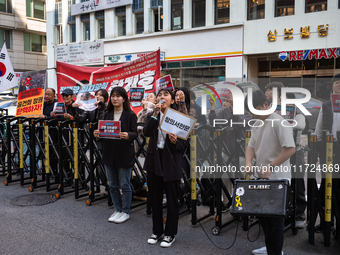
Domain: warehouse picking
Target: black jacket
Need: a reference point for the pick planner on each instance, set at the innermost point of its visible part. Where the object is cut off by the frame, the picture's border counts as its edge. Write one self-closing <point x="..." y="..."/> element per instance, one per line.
<point x="171" y="156"/>
<point x="120" y="152"/>
<point x="91" y="116"/>
<point x="48" y="108"/>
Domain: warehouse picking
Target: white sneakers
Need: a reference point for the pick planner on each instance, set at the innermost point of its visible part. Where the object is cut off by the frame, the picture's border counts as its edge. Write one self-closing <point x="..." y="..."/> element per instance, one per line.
<point x="167" y="241"/>
<point x="154" y="239"/>
<point x="114" y="216"/>
<point x="123" y="217"/>
<point x="300" y="224"/>
<point x="262" y="251"/>
<point x="119" y="217"/>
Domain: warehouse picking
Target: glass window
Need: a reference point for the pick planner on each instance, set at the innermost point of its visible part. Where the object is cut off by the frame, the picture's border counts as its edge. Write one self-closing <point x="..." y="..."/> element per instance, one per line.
<point x="59" y="35"/>
<point x="70" y="18"/>
<point x="173" y="64"/>
<point x="309" y="64"/>
<point x="36" y="43"/>
<point x="284" y="7"/>
<point x="72" y="27"/>
<point x="325" y="63"/>
<point x="188" y="63"/>
<point x="86" y="30"/>
<point x="139" y="25"/>
<point x="263" y="66"/>
<point x="35" y="9"/>
<point x="256" y="9"/>
<point x="315" y="5"/>
<point x="280" y="65"/>
<point x="195" y="76"/>
<point x="337" y="64"/>
<point x="121" y="25"/>
<point x="100" y="16"/>
<point x="218" y="62"/>
<point x="27" y="42"/>
<point x="156" y="3"/>
<point x="222" y="9"/>
<point x="138" y="5"/>
<point x="5" y="35"/>
<point x="198" y="13"/>
<point x="176" y="14"/>
<point x="100" y="28"/>
<point x="158" y="19"/>
<point x="6" y="6"/>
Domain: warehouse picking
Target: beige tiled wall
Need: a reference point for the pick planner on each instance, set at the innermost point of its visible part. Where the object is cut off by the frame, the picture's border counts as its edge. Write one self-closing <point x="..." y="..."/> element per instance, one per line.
<point x="20" y="24"/>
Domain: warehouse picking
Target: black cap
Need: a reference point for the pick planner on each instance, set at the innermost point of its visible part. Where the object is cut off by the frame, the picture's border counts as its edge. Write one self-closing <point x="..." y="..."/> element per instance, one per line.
<point x="67" y="92"/>
<point x="336" y="78"/>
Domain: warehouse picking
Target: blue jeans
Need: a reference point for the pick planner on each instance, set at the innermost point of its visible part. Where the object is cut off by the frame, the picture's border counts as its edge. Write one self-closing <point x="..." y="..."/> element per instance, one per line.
<point x="120" y="177"/>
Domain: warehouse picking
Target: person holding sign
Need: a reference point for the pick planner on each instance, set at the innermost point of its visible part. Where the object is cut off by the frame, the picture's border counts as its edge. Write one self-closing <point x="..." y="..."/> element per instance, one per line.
<point x="71" y="109"/>
<point x="119" y="154"/>
<point x="97" y="114"/>
<point x="164" y="166"/>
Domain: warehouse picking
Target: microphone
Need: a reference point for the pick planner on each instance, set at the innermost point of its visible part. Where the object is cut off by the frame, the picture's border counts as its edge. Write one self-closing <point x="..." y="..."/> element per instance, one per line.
<point x="161" y="102"/>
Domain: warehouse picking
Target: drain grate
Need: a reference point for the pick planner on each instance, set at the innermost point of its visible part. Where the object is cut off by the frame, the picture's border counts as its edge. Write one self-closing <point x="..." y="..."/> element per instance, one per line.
<point x="34" y="199"/>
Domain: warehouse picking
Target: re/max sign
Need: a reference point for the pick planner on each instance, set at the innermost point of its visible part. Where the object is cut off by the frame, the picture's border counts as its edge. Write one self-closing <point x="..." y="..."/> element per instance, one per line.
<point x="238" y="101"/>
<point x="316" y="53"/>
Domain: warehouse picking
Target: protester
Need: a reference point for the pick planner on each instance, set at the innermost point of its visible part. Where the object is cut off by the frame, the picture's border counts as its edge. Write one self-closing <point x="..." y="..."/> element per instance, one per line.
<point x="49" y="102"/>
<point x="271" y="144"/>
<point x="148" y="106"/>
<point x="164" y="165"/>
<point x="119" y="154"/>
<point x="97" y="114"/>
<point x="183" y="106"/>
<point x="201" y="120"/>
<point x="71" y="108"/>
<point x="269" y="91"/>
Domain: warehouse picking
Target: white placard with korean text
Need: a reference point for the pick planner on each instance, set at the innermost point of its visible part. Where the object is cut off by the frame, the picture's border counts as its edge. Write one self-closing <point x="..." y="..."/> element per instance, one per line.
<point x="84" y="53"/>
<point x="178" y="123"/>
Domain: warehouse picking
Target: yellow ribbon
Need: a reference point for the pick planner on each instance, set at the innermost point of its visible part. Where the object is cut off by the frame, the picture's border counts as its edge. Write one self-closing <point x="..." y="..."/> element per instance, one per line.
<point x="238" y="203"/>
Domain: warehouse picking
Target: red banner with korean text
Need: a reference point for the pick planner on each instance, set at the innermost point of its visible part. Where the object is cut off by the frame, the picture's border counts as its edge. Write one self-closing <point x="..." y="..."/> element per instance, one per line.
<point x="31" y="93"/>
<point x="85" y="81"/>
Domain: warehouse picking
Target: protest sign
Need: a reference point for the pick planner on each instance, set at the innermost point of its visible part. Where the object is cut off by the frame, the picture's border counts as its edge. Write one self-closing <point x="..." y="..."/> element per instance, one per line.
<point x="31" y="93"/>
<point x="136" y="94"/>
<point x="88" y="105"/>
<point x="290" y="111"/>
<point x="85" y="81"/>
<point x="178" y="123"/>
<point x="59" y="108"/>
<point x="164" y="82"/>
<point x="335" y="102"/>
<point x="109" y="129"/>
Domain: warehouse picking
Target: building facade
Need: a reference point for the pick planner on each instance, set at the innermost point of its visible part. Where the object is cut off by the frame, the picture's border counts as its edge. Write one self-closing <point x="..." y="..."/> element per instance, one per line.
<point x="207" y="40"/>
<point x="23" y="27"/>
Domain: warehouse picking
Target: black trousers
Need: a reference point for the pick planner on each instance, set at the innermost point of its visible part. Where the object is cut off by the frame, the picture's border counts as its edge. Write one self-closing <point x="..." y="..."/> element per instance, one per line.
<point x="301" y="202"/>
<point x="156" y="186"/>
<point x="273" y="232"/>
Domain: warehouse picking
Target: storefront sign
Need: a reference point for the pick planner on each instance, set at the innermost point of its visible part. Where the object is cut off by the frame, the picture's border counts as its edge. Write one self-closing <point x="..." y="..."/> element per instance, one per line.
<point x="128" y="57"/>
<point x="309" y="54"/>
<point x="97" y="5"/>
<point x="84" y="53"/>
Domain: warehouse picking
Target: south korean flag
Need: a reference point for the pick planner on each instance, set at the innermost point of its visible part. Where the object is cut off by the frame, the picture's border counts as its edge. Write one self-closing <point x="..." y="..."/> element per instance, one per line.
<point x="7" y="74"/>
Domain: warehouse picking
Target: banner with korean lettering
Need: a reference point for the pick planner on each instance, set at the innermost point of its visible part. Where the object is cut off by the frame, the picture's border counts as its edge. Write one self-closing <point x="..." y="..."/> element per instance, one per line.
<point x="85" y="81"/>
<point x="31" y="93"/>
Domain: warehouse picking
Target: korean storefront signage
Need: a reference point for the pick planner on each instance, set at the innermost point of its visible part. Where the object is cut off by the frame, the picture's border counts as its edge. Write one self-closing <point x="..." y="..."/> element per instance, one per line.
<point x="305" y="32"/>
<point x="97" y="5"/>
<point x="128" y="57"/>
<point x="84" y="53"/>
<point x="309" y="54"/>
